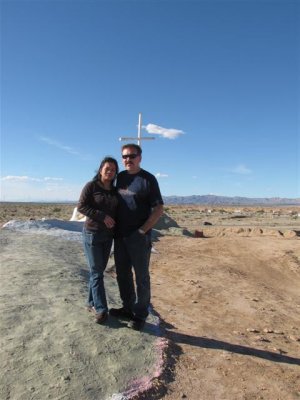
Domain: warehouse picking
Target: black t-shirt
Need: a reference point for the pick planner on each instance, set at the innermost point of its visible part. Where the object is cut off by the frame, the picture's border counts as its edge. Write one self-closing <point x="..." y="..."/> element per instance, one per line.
<point x="138" y="194"/>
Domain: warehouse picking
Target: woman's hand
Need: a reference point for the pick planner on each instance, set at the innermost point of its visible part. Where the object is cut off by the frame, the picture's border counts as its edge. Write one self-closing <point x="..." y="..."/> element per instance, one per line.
<point x="109" y="221"/>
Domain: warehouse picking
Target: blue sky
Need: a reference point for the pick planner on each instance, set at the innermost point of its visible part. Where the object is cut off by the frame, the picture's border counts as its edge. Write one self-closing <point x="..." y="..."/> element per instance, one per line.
<point x="217" y="83"/>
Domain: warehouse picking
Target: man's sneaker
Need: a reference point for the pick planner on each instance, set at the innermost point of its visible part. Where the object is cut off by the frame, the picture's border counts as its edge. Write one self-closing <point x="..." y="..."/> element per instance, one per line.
<point x="136" y="323"/>
<point x="121" y="313"/>
<point x="101" y="317"/>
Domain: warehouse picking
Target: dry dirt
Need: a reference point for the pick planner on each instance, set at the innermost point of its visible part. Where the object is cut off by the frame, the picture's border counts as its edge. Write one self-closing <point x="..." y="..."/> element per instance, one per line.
<point x="229" y="303"/>
<point x="231" y="307"/>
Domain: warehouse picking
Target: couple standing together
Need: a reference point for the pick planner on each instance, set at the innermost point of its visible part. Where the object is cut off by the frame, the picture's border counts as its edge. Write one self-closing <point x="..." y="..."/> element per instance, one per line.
<point x="126" y="213"/>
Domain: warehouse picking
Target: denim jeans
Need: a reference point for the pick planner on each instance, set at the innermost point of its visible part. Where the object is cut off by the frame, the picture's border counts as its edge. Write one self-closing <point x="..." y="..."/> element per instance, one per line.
<point x="134" y="252"/>
<point x="97" y="246"/>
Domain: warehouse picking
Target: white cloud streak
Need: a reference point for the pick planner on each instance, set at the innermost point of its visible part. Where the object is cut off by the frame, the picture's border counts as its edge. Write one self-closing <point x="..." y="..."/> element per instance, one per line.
<point x="58" y="145"/>
<point x="48" y="178"/>
<point x="168" y="133"/>
<point x="160" y="175"/>
<point x="26" y="188"/>
<point x="242" y="170"/>
<point x="67" y="149"/>
<point x="14" y="178"/>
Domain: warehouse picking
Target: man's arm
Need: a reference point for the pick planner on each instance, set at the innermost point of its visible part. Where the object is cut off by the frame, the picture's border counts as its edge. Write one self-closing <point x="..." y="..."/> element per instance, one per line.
<point x="157" y="212"/>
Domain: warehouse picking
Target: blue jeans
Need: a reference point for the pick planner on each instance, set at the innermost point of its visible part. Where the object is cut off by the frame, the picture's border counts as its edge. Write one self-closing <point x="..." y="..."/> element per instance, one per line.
<point x="97" y="246"/>
<point x="134" y="252"/>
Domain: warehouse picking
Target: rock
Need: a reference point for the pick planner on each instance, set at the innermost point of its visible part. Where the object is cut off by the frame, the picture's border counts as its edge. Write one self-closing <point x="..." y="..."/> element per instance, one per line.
<point x="294" y="338"/>
<point x="267" y="330"/>
<point x="253" y="330"/>
<point x="256" y="232"/>
<point x="165" y="222"/>
<point x="289" y="234"/>
<point x="199" y="234"/>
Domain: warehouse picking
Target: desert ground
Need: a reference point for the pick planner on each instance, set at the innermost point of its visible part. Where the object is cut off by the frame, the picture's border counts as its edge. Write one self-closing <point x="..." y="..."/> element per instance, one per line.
<point x="226" y="286"/>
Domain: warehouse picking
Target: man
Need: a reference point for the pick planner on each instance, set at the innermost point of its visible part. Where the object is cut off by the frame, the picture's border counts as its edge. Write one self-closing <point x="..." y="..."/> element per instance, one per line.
<point x="140" y="207"/>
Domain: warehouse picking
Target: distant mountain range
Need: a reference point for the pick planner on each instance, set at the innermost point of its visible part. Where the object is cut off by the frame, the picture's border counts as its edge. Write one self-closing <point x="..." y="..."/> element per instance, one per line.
<point x="224" y="200"/>
<point x="208" y="199"/>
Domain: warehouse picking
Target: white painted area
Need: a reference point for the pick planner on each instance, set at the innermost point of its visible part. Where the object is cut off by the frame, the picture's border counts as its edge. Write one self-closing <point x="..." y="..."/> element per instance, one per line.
<point x="76" y="216"/>
<point x="70" y="230"/>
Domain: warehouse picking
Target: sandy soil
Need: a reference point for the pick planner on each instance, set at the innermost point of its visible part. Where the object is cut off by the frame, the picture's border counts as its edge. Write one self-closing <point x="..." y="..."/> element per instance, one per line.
<point x="50" y="346"/>
<point x="231" y="310"/>
<point x="229" y="304"/>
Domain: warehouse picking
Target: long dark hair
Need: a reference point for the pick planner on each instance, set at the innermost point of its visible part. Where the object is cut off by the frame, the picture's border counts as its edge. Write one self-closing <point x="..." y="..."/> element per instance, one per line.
<point x="107" y="159"/>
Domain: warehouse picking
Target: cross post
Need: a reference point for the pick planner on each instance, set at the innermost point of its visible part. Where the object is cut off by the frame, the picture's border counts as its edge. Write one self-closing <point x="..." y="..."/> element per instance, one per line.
<point x="139" y="135"/>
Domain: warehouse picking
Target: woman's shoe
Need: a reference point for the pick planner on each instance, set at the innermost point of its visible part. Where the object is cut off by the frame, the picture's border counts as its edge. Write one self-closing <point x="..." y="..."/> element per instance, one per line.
<point x="90" y="309"/>
<point x="101" y="317"/>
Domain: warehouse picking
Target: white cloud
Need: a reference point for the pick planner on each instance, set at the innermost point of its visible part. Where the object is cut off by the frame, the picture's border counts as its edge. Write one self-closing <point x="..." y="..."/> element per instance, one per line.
<point x="168" y="133"/>
<point x="62" y="147"/>
<point x="25" y="188"/>
<point x="242" y="170"/>
<point x="48" y="178"/>
<point x="160" y="175"/>
<point x="14" y="178"/>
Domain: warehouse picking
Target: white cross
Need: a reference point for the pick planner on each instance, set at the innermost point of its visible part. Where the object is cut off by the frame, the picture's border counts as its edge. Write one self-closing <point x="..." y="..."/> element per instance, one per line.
<point x="139" y="136"/>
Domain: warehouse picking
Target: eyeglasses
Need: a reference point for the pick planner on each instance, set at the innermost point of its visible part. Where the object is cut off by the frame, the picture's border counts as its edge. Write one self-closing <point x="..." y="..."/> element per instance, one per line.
<point x="130" y="156"/>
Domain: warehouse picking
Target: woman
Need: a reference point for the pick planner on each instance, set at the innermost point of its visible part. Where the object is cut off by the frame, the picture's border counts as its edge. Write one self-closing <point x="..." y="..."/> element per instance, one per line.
<point x="98" y="201"/>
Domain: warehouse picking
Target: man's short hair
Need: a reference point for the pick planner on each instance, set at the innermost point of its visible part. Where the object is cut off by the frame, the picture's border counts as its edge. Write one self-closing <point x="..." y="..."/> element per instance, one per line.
<point x="135" y="146"/>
